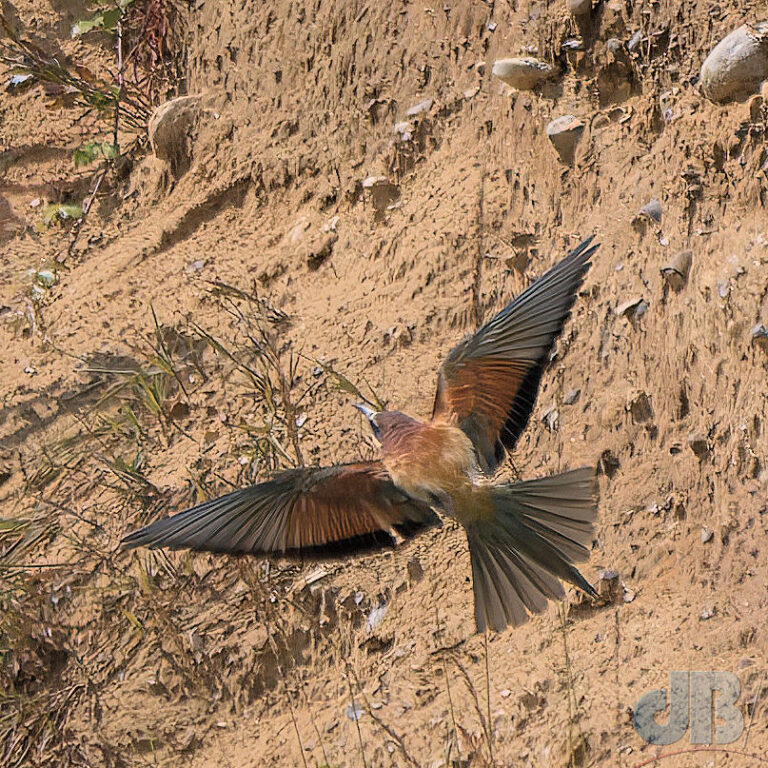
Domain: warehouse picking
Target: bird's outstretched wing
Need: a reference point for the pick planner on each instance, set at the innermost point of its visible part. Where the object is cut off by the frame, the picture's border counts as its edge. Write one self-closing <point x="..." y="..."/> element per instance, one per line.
<point x="489" y="382"/>
<point x="313" y="511"/>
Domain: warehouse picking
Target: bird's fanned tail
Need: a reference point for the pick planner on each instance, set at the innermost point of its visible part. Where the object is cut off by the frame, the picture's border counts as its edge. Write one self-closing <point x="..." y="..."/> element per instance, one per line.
<point x="539" y="529"/>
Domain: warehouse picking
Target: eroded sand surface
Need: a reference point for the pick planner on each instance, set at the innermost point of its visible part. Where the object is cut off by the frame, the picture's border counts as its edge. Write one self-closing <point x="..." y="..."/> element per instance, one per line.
<point x="201" y="661"/>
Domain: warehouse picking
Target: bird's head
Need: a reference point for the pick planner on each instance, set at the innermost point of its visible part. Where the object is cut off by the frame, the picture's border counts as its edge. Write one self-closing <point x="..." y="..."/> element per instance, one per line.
<point x="388" y="426"/>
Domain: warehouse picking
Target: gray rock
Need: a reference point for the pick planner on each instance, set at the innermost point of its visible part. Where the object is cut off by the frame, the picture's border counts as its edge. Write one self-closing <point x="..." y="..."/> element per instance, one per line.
<point x="699" y="444"/>
<point x="737" y="64"/>
<point x="579" y="7"/>
<point x="523" y="74"/>
<point x="675" y="272"/>
<point x="419" y="109"/>
<point x="564" y="133"/>
<point x="652" y="210"/>
<point x="633" y="309"/>
<point x="169" y="130"/>
<point x="571" y="396"/>
<point x="759" y="336"/>
<point x="640" y="407"/>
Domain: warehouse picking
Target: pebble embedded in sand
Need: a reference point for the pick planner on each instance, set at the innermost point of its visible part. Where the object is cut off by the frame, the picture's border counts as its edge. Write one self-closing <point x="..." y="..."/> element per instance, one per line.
<point x="523" y="74"/>
<point x="419" y="109"/>
<point x="632" y="309"/>
<point x="564" y="133"/>
<point x="579" y="7"/>
<point x="699" y="444"/>
<point x="571" y="396"/>
<point x="383" y="192"/>
<point x="675" y="272"/>
<point x="652" y="210"/>
<point x="759" y="336"/>
<point x="639" y="406"/>
<point x="404" y="131"/>
<point x="608" y="585"/>
<point x="169" y="126"/>
<point x="737" y="64"/>
<point x="551" y="417"/>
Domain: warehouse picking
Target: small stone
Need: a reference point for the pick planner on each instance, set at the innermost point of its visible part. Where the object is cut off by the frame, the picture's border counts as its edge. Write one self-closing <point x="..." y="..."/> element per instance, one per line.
<point x="551" y="417"/>
<point x="419" y="109"/>
<point x="375" y="617"/>
<point x="571" y="396"/>
<point x="383" y="193"/>
<point x="608" y="585"/>
<point x="737" y="64"/>
<point x="699" y="444"/>
<point x="675" y="272"/>
<point x="415" y="571"/>
<point x="169" y="130"/>
<point x="317" y="252"/>
<point x="640" y="407"/>
<point x="632" y="309"/>
<point x="404" y="130"/>
<point x="706" y="614"/>
<point x="634" y="41"/>
<point x="579" y="7"/>
<point x="179" y="410"/>
<point x="371" y="181"/>
<point x="523" y="74"/>
<point x="706" y="535"/>
<point x="505" y="693"/>
<point x="573" y="44"/>
<point x="331" y="225"/>
<point x="652" y="210"/>
<point x="564" y="133"/>
<point x="759" y="336"/>
<point x="353" y="712"/>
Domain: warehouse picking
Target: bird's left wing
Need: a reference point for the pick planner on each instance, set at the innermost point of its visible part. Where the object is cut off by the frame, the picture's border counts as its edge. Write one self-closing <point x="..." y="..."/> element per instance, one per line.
<point x="309" y="511"/>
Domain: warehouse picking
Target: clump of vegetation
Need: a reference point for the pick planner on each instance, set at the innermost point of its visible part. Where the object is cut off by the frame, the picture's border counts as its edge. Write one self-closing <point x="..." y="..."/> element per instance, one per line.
<point x="84" y="489"/>
<point x="147" y="56"/>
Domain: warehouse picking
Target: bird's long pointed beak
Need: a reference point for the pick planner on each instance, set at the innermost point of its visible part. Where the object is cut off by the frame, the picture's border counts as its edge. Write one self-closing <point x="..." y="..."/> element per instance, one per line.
<point x="369" y="413"/>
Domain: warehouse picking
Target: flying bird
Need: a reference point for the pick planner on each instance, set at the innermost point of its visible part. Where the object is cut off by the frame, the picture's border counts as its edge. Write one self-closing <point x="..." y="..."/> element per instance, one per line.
<point x="524" y="538"/>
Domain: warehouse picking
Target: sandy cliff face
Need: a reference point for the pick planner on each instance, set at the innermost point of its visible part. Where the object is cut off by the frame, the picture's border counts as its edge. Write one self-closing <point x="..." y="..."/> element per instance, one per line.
<point x="356" y="167"/>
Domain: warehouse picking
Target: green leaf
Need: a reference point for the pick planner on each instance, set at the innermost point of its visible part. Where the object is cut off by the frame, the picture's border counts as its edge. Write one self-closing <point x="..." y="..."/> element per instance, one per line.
<point x="92" y="150"/>
<point x="86" y="25"/>
<point x="106" y="19"/>
<point x="70" y="211"/>
<point x="110" y="18"/>
<point x="57" y="211"/>
<point x="84" y="155"/>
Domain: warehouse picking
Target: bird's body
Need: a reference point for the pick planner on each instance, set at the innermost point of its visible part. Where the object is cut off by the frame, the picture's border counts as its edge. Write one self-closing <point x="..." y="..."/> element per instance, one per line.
<point x="523" y="538"/>
<point x="432" y="462"/>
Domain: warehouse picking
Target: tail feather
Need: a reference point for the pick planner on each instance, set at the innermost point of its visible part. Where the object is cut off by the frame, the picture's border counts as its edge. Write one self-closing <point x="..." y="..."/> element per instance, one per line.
<point x="539" y="529"/>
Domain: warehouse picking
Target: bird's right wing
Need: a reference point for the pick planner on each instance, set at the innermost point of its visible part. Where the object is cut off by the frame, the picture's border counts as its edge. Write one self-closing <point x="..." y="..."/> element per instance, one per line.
<point x="309" y="511"/>
<point x="489" y="382"/>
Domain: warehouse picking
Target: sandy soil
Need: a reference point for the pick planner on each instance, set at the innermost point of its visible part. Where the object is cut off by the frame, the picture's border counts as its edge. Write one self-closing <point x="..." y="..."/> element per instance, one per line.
<point x="201" y="661"/>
